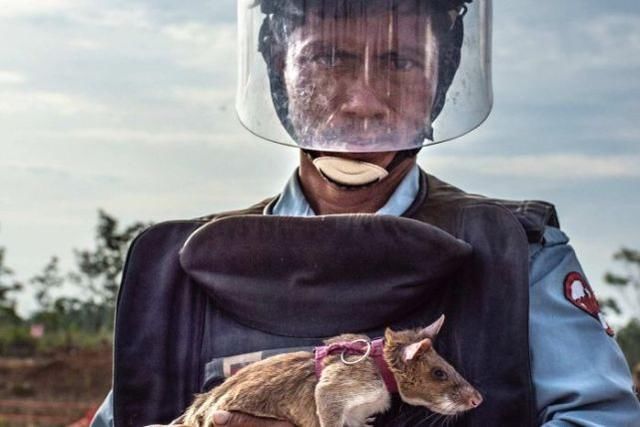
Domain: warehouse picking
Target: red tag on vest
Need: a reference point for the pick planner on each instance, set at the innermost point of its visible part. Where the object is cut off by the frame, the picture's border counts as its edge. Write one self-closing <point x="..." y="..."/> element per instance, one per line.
<point x="579" y="292"/>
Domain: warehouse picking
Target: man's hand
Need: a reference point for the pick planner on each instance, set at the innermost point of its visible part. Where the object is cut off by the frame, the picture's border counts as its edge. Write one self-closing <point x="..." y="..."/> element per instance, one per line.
<point x="237" y="419"/>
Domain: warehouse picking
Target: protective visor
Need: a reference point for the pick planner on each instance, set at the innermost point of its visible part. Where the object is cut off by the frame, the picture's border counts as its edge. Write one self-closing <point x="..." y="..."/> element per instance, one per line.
<point x="363" y="75"/>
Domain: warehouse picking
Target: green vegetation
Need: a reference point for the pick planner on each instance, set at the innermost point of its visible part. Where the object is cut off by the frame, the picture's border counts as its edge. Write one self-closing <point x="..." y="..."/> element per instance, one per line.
<point x="629" y="339"/>
<point x="8" y="287"/>
<point x="627" y="284"/>
<point x="86" y="320"/>
<point x="63" y="322"/>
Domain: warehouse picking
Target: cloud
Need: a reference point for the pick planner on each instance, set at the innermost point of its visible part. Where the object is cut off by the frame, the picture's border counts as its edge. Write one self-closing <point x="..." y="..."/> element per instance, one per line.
<point x="22" y="8"/>
<point x="129" y="17"/>
<point x="204" y="47"/>
<point x="71" y="13"/>
<point x="604" y="42"/>
<point x="118" y="136"/>
<point x="28" y="187"/>
<point x="205" y="97"/>
<point x="614" y="36"/>
<point x="34" y="101"/>
<point x="565" y="80"/>
<point x="544" y="167"/>
<point x="45" y="171"/>
<point x="194" y="33"/>
<point x="11" y="78"/>
<point x="85" y="44"/>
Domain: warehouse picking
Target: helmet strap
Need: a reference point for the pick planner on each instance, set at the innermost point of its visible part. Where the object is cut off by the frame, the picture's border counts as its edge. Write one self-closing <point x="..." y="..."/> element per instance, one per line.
<point x="349" y="172"/>
<point x="355" y="173"/>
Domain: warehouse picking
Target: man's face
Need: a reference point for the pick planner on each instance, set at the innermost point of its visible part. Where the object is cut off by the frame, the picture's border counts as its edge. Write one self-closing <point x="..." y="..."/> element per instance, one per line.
<point x="361" y="83"/>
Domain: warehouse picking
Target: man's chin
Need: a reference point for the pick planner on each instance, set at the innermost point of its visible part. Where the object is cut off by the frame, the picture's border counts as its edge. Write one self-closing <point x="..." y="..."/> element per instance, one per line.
<point x="361" y="144"/>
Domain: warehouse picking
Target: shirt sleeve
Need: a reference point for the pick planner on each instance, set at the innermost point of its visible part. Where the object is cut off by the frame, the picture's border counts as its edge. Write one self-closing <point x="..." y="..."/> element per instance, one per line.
<point x="579" y="373"/>
<point x="104" y="414"/>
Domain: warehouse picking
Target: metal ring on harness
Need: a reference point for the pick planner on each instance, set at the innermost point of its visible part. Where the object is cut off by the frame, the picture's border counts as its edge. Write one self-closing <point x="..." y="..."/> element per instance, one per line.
<point x="364" y="356"/>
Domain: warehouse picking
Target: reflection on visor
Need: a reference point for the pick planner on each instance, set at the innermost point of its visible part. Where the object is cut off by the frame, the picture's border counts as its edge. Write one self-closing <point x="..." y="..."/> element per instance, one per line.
<point x="361" y="82"/>
<point x="353" y="76"/>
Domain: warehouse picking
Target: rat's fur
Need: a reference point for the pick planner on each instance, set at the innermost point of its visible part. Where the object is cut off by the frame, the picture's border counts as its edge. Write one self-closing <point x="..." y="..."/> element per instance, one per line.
<point x="285" y="386"/>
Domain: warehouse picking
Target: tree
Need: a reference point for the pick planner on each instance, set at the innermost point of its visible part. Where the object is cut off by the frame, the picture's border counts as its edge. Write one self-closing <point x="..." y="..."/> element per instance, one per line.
<point x="627" y="282"/>
<point x="51" y="311"/>
<point x="629" y="340"/>
<point x="100" y="269"/>
<point x="627" y="302"/>
<point x="97" y="275"/>
<point x="8" y="286"/>
<point x="45" y="282"/>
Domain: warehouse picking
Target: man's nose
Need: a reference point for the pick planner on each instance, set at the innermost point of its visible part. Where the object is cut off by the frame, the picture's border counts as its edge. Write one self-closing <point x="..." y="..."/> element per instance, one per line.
<point x="362" y="100"/>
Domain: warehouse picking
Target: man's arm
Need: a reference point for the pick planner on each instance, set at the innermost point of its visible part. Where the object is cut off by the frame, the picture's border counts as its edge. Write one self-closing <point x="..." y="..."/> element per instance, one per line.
<point x="579" y="372"/>
<point x="104" y="418"/>
<point x="104" y="414"/>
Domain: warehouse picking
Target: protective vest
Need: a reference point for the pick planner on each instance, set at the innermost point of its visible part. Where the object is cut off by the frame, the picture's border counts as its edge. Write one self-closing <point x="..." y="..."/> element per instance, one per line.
<point x="201" y="297"/>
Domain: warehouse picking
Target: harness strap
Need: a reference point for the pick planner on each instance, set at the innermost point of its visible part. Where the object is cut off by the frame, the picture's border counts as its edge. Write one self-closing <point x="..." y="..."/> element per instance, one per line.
<point x="375" y="350"/>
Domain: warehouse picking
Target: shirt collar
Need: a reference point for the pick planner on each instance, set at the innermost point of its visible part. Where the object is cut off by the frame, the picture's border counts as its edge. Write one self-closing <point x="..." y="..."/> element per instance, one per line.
<point x="292" y="201"/>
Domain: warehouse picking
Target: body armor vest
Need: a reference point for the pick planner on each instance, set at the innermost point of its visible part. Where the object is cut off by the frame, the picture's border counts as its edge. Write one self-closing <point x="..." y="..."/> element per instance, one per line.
<point x="196" y="294"/>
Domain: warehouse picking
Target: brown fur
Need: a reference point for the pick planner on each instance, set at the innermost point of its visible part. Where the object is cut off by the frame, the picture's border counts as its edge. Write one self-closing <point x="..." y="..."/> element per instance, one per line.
<point x="282" y="393"/>
<point x="285" y="386"/>
<point x="416" y="380"/>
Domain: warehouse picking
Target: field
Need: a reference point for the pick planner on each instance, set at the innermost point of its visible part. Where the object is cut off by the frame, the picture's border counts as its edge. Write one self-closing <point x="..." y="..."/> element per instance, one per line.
<point x="53" y="390"/>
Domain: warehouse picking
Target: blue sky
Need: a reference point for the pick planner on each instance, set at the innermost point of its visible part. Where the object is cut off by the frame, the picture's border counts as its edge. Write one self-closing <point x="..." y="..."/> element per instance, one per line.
<point x="128" y="106"/>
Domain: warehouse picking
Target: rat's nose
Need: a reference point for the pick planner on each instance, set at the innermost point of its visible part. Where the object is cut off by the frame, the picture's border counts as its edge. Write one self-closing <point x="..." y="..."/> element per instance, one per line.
<point x="475" y="400"/>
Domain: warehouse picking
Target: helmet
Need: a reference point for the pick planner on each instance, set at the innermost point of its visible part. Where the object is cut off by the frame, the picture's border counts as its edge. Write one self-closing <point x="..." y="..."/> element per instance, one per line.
<point x="401" y="57"/>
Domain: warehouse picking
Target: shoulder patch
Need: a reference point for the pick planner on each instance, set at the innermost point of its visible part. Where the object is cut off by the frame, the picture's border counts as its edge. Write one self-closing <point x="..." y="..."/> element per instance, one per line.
<point x="578" y="291"/>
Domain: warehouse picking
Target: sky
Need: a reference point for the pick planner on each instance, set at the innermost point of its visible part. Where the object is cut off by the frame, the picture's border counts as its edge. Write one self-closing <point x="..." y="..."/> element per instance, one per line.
<point x="128" y="106"/>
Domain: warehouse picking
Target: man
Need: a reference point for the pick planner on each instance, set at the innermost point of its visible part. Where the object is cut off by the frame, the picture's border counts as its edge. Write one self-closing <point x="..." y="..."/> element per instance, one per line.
<point x="360" y="86"/>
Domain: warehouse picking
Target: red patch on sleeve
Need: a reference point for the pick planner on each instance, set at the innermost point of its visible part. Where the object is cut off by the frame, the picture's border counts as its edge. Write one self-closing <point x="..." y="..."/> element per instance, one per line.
<point x="579" y="292"/>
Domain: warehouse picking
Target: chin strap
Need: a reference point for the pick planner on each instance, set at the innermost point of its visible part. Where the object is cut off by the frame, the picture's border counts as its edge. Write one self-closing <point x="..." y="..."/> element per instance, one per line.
<point x="349" y="172"/>
<point x="355" y="173"/>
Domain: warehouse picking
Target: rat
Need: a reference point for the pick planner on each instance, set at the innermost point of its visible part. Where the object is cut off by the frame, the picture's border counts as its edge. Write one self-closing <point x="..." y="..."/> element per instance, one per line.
<point x="345" y="382"/>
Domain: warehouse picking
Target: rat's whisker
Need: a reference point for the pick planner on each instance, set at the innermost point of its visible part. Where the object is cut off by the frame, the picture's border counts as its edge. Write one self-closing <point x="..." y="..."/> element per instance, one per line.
<point x="442" y="419"/>
<point x="427" y="417"/>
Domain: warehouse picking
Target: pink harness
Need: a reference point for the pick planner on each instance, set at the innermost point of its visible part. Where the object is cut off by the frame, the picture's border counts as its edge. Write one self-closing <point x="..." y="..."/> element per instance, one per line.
<point x="363" y="348"/>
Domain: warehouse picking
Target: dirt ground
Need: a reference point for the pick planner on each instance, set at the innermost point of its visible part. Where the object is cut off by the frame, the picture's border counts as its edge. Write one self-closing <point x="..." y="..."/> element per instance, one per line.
<point x="54" y="390"/>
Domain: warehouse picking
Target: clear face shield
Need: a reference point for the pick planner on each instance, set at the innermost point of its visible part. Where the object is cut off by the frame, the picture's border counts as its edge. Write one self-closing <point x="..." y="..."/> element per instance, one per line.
<point x="363" y="75"/>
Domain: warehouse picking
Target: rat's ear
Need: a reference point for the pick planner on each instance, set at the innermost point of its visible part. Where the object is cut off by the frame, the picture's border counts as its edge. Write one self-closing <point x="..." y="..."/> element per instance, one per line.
<point x="390" y="336"/>
<point x="432" y="330"/>
<point x="410" y="351"/>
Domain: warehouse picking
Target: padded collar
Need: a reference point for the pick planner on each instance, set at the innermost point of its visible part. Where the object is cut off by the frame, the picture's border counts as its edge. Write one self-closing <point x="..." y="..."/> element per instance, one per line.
<point x="320" y="276"/>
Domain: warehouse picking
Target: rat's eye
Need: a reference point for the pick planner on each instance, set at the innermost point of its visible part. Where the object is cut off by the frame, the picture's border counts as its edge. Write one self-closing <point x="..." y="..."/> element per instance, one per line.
<point x="439" y="374"/>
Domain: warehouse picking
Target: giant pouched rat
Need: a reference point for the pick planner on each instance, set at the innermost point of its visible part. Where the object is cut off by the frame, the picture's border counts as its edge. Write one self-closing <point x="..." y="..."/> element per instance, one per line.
<point x="345" y="382"/>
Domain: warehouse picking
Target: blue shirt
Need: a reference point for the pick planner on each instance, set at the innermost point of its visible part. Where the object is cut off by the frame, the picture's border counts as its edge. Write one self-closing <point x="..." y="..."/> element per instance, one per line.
<point x="292" y="201"/>
<point x="579" y="374"/>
